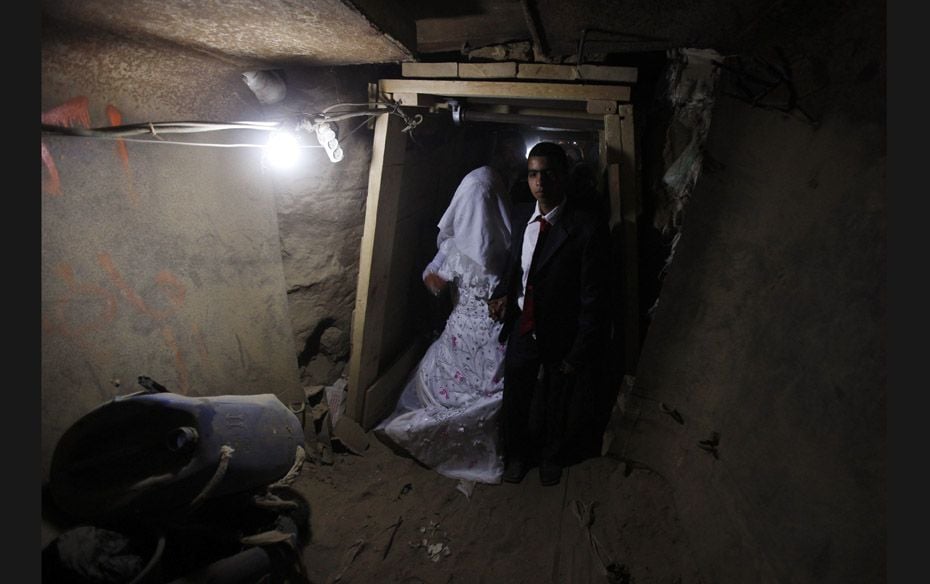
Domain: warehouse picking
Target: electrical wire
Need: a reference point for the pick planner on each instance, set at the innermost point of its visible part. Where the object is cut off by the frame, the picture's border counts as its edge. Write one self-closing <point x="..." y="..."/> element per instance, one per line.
<point x="209" y="144"/>
<point x="154" y="130"/>
<point x="335" y="105"/>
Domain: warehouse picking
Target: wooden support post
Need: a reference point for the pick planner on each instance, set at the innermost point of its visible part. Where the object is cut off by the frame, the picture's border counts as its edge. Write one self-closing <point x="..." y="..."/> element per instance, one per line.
<point x="629" y="210"/>
<point x="381" y="396"/>
<point x="613" y="149"/>
<point x="620" y="164"/>
<point x="384" y="177"/>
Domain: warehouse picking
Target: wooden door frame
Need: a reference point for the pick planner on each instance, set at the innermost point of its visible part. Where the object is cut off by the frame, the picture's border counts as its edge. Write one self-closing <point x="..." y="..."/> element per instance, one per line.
<point x="372" y="381"/>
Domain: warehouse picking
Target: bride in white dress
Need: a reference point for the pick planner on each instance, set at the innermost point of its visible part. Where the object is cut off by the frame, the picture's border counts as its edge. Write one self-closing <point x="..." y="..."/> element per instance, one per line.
<point x="447" y="415"/>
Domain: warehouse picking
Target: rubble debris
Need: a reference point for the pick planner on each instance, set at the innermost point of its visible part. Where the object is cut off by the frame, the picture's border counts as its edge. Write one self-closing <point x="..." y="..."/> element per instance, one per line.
<point x="351" y="435"/>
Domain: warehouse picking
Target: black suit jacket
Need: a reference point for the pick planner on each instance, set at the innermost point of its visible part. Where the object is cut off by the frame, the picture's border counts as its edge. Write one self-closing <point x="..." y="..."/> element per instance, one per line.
<point x="571" y="302"/>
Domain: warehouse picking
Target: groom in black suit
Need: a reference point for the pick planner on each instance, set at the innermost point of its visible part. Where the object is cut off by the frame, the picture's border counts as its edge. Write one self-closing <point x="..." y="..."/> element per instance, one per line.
<point x="553" y="301"/>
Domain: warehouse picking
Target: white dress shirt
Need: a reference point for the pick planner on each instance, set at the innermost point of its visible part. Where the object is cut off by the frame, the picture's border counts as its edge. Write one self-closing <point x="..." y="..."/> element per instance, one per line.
<point x="530" y="236"/>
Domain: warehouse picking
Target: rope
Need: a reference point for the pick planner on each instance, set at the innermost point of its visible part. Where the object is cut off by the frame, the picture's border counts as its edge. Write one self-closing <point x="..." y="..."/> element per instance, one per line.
<point x="271" y="501"/>
<point x="291" y="475"/>
<point x="225" y="454"/>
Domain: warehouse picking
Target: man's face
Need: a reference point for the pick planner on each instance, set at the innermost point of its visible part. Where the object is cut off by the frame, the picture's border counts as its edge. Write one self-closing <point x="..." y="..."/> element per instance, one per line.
<point x="544" y="180"/>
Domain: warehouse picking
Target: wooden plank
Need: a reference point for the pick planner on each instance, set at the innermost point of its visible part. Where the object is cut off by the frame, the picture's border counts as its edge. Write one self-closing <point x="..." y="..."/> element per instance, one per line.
<point x="382" y="395"/>
<point x="613" y="153"/>
<point x="546" y="71"/>
<point x="575" y="73"/>
<point x="596" y="106"/>
<point x="384" y="178"/>
<point x="629" y="177"/>
<point x="507" y="89"/>
<point x="629" y="197"/>
<point x="607" y="73"/>
<point x="415" y="99"/>
<point x="487" y="70"/>
<point x="429" y="69"/>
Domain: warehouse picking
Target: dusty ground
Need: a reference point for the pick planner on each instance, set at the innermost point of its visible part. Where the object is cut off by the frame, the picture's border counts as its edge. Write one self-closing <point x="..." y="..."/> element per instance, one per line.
<point x="380" y="517"/>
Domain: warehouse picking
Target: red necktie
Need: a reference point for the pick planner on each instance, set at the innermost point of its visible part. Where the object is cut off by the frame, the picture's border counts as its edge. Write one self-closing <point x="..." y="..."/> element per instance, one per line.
<point x="526" y="319"/>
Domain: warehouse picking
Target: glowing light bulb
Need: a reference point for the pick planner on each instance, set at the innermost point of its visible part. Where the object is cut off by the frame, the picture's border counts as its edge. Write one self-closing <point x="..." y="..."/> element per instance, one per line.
<point x="281" y="150"/>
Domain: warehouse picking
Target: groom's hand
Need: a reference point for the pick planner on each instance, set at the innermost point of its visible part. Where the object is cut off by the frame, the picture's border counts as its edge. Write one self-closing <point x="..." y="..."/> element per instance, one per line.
<point x="497" y="308"/>
<point x="434" y="283"/>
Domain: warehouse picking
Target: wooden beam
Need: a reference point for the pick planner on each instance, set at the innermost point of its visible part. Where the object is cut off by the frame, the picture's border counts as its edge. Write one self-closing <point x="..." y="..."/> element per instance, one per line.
<point x="605" y="73"/>
<point x="415" y="99"/>
<point x="429" y="69"/>
<point x="487" y="70"/>
<point x="382" y="395"/>
<point x="629" y="176"/>
<point x="629" y="206"/>
<point x="545" y="71"/>
<point x="384" y="178"/>
<point x="575" y="73"/>
<point x="507" y="89"/>
<point x="451" y="70"/>
<point x="601" y="107"/>
<point x="613" y="147"/>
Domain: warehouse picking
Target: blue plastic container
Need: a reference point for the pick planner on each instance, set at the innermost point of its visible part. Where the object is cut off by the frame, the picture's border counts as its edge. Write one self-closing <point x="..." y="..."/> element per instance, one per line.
<point x="149" y="453"/>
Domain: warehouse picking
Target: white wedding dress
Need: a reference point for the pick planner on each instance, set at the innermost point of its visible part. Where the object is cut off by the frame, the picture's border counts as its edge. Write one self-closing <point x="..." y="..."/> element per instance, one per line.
<point x="447" y="415"/>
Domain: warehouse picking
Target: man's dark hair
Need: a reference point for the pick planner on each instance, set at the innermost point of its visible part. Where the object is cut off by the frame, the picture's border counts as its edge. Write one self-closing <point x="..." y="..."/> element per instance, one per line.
<point x="554" y="153"/>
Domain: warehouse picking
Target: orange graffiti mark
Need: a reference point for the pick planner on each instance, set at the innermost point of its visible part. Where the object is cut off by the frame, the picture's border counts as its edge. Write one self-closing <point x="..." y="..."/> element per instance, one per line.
<point x="74" y="112"/>
<point x="174" y="290"/>
<point x="106" y="262"/>
<point x="62" y="317"/>
<point x="167" y="283"/>
<point x="172" y="287"/>
<point x="116" y="119"/>
<point x="52" y="186"/>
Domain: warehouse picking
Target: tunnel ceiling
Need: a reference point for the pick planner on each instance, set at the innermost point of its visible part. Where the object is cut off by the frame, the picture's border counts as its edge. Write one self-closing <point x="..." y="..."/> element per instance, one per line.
<point x="347" y="32"/>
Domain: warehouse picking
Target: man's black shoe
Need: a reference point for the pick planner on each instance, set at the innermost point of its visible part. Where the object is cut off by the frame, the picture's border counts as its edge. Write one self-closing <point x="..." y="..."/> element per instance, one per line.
<point x="550" y="473"/>
<point x="515" y="470"/>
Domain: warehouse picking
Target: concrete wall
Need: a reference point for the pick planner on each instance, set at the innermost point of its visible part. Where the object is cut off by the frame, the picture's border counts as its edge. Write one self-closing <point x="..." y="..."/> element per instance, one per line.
<point x="770" y="333"/>
<point x="157" y="260"/>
